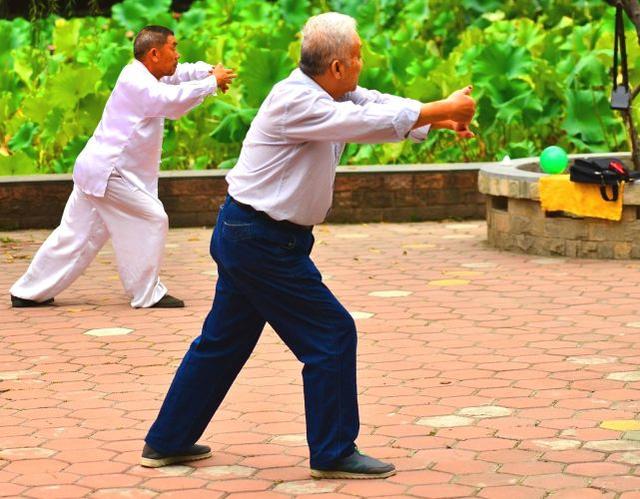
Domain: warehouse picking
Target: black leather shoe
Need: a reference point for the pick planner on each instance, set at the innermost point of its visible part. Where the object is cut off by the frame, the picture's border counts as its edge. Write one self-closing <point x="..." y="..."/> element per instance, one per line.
<point x="154" y="459"/>
<point x="168" y="301"/>
<point x="23" y="302"/>
<point x="356" y="465"/>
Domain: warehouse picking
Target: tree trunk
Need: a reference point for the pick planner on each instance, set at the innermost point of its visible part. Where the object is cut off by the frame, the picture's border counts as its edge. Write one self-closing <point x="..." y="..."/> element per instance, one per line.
<point x="632" y="8"/>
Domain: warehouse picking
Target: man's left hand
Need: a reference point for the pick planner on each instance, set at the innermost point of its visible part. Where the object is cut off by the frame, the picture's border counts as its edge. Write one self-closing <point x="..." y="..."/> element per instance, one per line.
<point x="462" y="130"/>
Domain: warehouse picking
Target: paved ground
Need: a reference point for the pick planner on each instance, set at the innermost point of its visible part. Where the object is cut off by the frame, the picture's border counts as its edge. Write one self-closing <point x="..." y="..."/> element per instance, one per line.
<point x="481" y="374"/>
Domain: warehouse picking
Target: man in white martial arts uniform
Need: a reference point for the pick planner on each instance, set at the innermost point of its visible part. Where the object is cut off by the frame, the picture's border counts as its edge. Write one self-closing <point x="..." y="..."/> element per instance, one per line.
<point x="115" y="178"/>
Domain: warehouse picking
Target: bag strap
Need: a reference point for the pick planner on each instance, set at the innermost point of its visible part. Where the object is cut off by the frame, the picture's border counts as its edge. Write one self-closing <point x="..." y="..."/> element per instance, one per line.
<point x="620" y="45"/>
<point x="614" y="192"/>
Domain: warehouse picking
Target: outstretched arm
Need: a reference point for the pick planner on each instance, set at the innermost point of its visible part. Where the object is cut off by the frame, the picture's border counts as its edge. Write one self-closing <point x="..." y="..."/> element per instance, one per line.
<point x="188" y="71"/>
<point x="174" y="101"/>
<point x="198" y="71"/>
<point x="453" y="113"/>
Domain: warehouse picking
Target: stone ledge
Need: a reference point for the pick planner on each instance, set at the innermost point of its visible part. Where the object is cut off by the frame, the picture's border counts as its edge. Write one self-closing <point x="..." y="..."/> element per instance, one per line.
<point x="513" y="180"/>
<point x="516" y="221"/>
<point x="385" y="193"/>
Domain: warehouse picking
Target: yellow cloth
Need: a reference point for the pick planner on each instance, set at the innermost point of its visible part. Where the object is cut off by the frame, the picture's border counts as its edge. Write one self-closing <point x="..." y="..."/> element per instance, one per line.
<point x="558" y="193"/>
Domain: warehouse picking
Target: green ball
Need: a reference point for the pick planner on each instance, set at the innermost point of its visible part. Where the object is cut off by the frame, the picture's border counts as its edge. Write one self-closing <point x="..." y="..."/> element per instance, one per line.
<point x="553" y="160"/>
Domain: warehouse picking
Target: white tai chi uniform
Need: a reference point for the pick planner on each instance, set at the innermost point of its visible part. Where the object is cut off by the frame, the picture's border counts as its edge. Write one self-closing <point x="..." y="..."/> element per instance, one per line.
<point x="115" y="191"/>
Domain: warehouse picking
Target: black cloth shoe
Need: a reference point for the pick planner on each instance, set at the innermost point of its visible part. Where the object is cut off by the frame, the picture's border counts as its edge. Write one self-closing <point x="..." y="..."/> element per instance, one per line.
<point x="356" y="465"/>
<point x="168" y="301"/>
<point x="23" y="302"/>
<point x="154" y="459"/>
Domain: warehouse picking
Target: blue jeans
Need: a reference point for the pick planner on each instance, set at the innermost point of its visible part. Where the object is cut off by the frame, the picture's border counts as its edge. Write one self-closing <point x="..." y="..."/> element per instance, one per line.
<point x="265" y="275"/>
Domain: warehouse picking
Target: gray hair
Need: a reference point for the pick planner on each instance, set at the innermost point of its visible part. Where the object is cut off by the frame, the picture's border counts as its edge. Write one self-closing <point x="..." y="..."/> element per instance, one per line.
<point x="326" y="37"/>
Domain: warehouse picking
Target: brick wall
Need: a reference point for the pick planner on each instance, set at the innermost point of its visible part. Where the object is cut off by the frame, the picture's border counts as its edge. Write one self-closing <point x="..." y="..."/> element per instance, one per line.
<point x="402" y="193"/>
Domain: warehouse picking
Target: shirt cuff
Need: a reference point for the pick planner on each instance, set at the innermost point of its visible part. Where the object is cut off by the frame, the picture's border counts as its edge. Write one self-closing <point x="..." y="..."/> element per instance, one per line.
<point x="212" y="86"/>
<point x="203" y="69"/>
<point x="406" y="118"/>
<point x="418" y="135"/>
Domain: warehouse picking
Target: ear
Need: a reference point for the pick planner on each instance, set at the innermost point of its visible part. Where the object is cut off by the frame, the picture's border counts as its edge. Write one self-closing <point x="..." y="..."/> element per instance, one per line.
<point x="153" y="53"/>
<point x="336" y="69"/>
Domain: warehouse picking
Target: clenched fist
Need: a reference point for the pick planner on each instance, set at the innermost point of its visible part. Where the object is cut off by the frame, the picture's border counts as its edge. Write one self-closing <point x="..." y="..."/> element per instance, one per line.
<point x="462" y="105"/>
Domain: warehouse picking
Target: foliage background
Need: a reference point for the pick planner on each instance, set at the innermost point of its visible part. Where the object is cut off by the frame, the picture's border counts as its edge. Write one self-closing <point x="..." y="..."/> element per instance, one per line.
<point x="540" y="71"/>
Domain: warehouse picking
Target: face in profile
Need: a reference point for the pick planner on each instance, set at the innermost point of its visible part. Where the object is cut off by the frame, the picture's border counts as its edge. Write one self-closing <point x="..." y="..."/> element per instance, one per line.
<point x="354" y="65"/>
<point x="166" y="57"/>
<point x="347" y="71"/>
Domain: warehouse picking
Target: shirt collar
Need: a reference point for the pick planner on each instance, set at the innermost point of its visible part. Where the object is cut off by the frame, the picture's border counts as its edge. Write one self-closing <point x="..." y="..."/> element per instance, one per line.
<point x="298" y="75"/>
<point x="141" y="67"/>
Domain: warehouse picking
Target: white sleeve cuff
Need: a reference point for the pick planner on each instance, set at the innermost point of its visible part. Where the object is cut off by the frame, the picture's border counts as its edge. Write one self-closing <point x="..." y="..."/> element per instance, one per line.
<point x="418" y="135"/>
<point x="406" y="118"/>
<point x="203" y="69"/>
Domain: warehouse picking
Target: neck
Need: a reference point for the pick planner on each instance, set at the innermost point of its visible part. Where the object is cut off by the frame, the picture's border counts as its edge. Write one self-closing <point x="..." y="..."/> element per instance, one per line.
<point x="328" y="85"/>
<point x="153" y="70"/>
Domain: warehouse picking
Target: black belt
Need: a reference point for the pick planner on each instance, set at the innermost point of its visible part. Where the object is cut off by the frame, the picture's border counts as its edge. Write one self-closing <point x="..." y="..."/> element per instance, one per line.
<point x="285" y="224"/>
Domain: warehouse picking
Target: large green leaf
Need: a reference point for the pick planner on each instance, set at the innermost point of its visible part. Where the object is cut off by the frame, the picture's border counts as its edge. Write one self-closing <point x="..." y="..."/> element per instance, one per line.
<point x="262" y="69"/>
<point x="588" y="116"/>
<point x="112" y="59"/>
<point x="71" y="84"/>
<point x="66" y="35"/>
<point x="498" y="60"/>
<point x="17" y="164"/>
<point x="234" y="126"/>
<point x="24" y="137"/>
<point x="135" y="14"/>
<point x="294" y="12"/>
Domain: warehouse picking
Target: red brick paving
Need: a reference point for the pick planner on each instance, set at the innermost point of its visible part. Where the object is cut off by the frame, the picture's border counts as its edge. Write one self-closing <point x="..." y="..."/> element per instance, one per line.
<point x="488" y="375"/>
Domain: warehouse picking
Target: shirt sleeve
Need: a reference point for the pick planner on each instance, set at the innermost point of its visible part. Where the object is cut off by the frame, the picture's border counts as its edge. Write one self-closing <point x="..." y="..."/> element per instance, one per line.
<point x="187" y="72"/>
<point x="418" y="135"/>
<point x="313" y="116"/>
<point x="363" y="95"/>
<point x="173" y="101"/>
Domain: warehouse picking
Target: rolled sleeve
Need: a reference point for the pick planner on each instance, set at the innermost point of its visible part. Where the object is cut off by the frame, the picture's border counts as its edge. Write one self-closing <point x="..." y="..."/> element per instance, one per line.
<point x="317" y="117"/>
<point x="418" y="135"/>
<point x="406" y="118"/>
<point x="409" y="110"/>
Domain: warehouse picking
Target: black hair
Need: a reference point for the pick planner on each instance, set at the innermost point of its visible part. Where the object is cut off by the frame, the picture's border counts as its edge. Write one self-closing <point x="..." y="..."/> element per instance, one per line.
<point x="150" y="37"/>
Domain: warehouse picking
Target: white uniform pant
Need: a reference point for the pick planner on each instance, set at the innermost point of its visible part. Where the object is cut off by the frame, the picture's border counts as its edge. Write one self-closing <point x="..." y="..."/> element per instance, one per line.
<point x="137" y="224"/>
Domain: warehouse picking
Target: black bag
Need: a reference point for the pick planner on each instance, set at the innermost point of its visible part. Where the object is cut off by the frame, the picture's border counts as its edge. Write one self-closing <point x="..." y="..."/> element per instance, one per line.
<point x="606" y="172"/>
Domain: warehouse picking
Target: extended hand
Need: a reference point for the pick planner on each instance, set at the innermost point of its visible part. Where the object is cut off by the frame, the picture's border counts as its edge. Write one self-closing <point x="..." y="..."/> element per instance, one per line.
<point x="223" y="75"/>
<point x="462" y="105"/>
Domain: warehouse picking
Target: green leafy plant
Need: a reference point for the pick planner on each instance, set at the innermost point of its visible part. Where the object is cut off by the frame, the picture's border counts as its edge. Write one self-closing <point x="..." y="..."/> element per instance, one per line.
<point x="539" y="70"/>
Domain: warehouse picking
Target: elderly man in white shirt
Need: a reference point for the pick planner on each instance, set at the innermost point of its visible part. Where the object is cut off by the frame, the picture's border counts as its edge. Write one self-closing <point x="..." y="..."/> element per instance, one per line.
<point x="281" y="187"/>
<point x="115" y="178"/>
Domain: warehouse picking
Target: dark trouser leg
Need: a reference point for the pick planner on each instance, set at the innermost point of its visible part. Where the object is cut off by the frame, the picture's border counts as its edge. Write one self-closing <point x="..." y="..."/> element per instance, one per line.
<point x="213" y="361"/>
<point x="269" y="268"/>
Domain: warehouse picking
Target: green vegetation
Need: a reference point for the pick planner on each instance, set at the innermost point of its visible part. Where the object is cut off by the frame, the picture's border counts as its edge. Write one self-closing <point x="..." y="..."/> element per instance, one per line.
<point x="540" y="70"/>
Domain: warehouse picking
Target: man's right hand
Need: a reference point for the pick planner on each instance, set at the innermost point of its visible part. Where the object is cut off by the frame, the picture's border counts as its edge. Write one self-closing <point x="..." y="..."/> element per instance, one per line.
<point x="223" y="75"/>
<point x="462" y="106"/>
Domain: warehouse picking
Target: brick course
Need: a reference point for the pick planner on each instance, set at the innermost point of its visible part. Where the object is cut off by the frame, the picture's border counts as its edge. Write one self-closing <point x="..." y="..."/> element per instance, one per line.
<point x="403" y="193"/>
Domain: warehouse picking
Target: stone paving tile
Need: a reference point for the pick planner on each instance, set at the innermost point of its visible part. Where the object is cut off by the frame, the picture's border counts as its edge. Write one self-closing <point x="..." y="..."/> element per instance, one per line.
<point x="481" y="374"/>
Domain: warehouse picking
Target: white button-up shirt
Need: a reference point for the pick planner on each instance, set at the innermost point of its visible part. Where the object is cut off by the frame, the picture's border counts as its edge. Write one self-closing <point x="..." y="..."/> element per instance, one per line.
<point x="288" y="160"/>
<point x="128" y="138"/>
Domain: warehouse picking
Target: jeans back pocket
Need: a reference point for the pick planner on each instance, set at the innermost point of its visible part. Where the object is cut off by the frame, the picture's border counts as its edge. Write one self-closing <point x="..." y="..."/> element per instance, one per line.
<point x="237" y="231"/>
